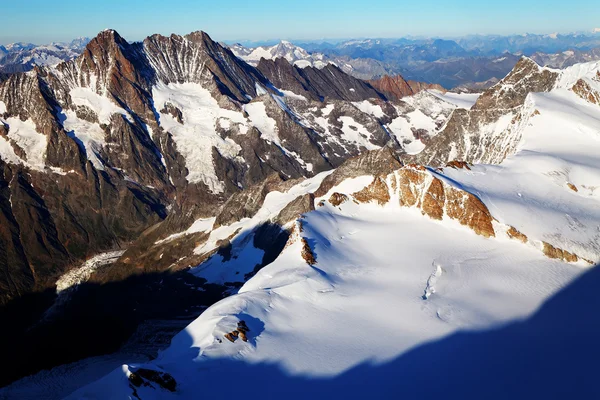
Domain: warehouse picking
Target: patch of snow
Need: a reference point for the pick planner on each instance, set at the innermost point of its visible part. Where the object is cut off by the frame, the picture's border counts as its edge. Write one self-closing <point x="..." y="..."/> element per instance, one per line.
<point x="460" y="100"/>
<point x="89" y="134"/>
<point x="26" y="136"/>
<point x="101" y="105"/>
<point x="354" y="132"/>
<point x="369" y="108"/>
<point x="197" y="136"/>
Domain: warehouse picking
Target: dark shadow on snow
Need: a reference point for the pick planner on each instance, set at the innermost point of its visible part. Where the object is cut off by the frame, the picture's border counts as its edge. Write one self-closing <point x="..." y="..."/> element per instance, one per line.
<point x="551" y="355"/>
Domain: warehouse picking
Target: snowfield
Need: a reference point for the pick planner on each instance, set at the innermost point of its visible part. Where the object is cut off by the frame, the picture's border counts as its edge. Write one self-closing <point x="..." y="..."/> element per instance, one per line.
<point x="361" y="303"/>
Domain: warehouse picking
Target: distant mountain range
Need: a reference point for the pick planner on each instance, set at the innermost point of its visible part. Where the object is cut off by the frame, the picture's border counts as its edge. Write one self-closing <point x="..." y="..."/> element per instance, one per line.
<point x="468" y="63"/>
<point x="19" y="57"/>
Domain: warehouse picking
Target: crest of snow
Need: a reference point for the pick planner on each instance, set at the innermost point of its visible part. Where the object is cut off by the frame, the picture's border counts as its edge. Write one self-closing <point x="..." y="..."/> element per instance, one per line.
<point x="89" y="134"/>
<point x="568" y="53"/>
<point x="460" y="100"/>
<point x="197" y="136"/>
<point x="369" y="108"/>
<point x="30" y="140"/>
<point x="2" y="107"/>
<point x="596" y="30"/>
<point x="101" y="105"/>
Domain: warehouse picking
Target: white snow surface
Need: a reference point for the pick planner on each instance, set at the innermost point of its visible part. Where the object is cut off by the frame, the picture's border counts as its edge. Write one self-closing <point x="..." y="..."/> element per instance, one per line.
<point x="361" y="303"/>
<point x="295" y="55"/>
<point x="25" y="135"/>
<point x="196" y="137"/>
<point x="90" y="134"/>
<point x="101" y="105"/>
<point x="460" y="100"/>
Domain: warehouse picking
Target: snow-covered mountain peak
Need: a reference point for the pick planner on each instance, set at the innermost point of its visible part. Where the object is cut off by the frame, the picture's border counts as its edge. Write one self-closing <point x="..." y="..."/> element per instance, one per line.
<point x="295" y="55"/>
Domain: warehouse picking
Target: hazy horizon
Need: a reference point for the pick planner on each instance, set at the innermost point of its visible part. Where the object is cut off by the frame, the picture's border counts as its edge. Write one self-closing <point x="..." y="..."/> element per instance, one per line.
<point x="44" y="22"/>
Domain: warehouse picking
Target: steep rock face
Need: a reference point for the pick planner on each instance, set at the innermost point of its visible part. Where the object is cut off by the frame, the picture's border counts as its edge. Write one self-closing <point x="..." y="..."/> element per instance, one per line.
<point x="329" y="82"/>
<point x="396" y="87"/>
<point x="50" y="224"/>
<point x="419" y="188"/>
<point x="491" y="129"/>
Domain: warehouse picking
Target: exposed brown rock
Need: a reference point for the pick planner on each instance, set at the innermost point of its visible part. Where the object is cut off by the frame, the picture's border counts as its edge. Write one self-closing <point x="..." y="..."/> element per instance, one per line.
<point x="410" y="180"/>
<point x="229" y="336"/>
<point x="434" y="200"/>
<point x="459" y="165"/>
<point x="560" y="254"/>
<point x="584" y="90"/>
<point x="439" y="199"/>
<point x="469" y="211"/>
<point x="337" y="198"/>
<point x="378" y="190"/>
<point x="396" y="87"/>
<point x="307" y="253"/>
<point x="572" y="187"/>
<point x="513" y="233"/>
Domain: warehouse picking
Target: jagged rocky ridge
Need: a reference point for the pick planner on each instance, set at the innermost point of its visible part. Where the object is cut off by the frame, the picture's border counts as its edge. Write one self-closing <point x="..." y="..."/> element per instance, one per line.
<point x="130" y="134"/>
<point x="491" y="130"/>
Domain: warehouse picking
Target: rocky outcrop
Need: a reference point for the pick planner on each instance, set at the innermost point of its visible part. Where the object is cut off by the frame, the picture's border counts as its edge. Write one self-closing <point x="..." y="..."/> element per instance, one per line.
<point x="307" y="253"/>
<point x="586" y="92"/>
<point x="560" y="254"/>
<point x="291" y="212"/>
<point x="418" y="188"/>
<point x="338" y="198"/>
<point x="513" y="233"/>
<point x="491" y="129"/>
<point x="376" y="191"/>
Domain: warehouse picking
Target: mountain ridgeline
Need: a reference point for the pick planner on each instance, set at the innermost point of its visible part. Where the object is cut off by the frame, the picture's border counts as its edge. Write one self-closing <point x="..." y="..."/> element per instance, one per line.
<point x="97" y="149"/>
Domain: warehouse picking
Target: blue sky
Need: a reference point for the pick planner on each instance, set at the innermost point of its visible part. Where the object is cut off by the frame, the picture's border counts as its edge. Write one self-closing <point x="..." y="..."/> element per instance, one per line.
<point x="43" y="21"/>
